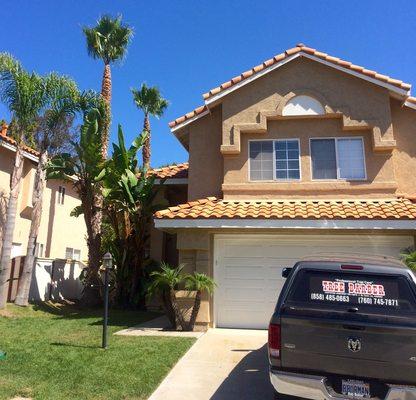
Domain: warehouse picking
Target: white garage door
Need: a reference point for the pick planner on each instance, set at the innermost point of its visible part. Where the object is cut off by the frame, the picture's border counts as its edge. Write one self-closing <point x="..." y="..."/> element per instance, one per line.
<point x="247" y="269"/>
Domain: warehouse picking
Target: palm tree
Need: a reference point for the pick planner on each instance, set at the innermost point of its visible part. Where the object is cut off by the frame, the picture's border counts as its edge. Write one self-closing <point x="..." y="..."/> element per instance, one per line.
<point x="24" y="95"/>
<point x="108" y="42"/>
<point x="52" y="134"/>
<point x="200" y="283"/>
<point x="81" y="167"/>
<point x="164" y="283"/>
<point x="150" y="101"/>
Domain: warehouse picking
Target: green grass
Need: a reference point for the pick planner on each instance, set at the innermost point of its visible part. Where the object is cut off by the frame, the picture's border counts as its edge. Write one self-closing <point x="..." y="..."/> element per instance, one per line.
<point x="53" y="352"/>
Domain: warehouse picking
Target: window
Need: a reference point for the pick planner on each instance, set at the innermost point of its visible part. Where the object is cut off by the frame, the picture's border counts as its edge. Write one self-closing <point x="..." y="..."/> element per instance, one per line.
<point x="287" y="159"/>
<point x="370" y="293"/>
<point x="303" y="105"/>
<point x="261" y="160"/>
<point x="39" y="250"/>
<point x="72" y="254"/>
<point x="61" y="195"/>
<point x="340" y="158"/>
<point x="274" y="160"/>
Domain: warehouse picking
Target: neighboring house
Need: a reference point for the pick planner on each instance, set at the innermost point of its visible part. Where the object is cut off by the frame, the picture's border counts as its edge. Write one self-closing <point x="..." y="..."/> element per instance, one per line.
<point x="60" y="236"/>
<point x="303" y="154"/>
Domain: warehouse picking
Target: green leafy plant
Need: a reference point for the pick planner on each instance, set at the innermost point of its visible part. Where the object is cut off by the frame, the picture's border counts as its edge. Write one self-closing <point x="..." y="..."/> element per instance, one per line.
<point x="151" y="102"/>
<point x="408" y="256"/>
<point x="200" y="283"/>
<point x="81" y="167"/>
<point x="129" y="203"/>
<point x="164" y="283"/>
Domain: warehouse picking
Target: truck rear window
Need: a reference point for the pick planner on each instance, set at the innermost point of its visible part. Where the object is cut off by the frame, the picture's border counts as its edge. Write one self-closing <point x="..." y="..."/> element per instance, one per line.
<point x="371" y="291"/>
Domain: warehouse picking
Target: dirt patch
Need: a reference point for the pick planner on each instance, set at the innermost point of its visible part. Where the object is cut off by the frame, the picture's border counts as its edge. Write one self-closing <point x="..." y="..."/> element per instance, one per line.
<point x="7" y="314"/>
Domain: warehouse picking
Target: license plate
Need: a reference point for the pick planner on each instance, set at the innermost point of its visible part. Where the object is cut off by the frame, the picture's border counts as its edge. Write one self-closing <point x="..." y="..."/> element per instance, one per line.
<point x="355" y="388"/>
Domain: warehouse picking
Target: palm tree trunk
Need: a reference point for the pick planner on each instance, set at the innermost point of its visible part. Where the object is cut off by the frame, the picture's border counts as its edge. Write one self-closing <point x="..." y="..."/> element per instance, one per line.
<point x="177" y="310"/>
<point x="146" y="146"/>
<point x="195" y="311"/>
<point x="5" y="260"/>
<point x="106" y="94"/>
<point x="92" y="216"/>
<point x="22" y="297"/>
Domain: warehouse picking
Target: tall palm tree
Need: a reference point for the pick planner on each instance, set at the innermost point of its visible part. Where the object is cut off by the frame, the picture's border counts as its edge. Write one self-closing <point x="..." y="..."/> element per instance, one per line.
<point x="151" y="102"/>
<point x="24" y="95"/>
<point x="108" y="42"/>
<point x="52" y="134"/>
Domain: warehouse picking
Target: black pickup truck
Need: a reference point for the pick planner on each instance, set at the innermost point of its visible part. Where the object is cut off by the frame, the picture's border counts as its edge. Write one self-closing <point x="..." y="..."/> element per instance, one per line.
<point x="345" y="328"/>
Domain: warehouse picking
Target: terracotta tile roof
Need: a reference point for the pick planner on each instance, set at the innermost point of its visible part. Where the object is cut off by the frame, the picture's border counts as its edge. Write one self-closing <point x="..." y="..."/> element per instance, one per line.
<point x="188" y="116"/>
<point x="176" y="171"/>
<point x="8" y="139"/>
<point x="302" y="48"/>
<point x="213" y="208"/>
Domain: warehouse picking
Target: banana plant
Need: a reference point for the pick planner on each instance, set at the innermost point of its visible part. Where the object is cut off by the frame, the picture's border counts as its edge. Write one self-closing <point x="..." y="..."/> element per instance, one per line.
<point x="129" y="202"/>
<point x="81" y="168"/>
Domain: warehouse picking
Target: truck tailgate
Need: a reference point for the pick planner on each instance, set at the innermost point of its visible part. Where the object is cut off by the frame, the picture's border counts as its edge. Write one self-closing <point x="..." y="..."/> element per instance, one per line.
<point x="355" y="346"/>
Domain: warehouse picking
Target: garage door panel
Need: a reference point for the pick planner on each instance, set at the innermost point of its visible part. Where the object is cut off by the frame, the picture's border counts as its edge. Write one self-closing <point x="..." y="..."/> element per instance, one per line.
<point x="248" y="269"/>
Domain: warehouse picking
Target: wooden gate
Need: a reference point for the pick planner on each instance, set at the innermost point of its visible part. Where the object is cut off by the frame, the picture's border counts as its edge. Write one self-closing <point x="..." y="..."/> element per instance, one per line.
<point x="15" y="274"/>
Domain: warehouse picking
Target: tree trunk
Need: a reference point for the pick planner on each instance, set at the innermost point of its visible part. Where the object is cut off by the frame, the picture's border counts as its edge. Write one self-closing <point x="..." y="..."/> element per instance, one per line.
<point x="176" y="309"/>
<point x="22" y="297"/>
<point x="106" y="94"/>
<point x="146" y="146"/>
<point x="195" y="311"/>
<point x="167" y="305"/>
<point x="92" y="216"/>
<point x="5" y="260"/>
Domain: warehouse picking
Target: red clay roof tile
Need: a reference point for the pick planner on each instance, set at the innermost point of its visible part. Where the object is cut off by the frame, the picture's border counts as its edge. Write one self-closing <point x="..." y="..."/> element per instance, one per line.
<point x="212" y="207"/>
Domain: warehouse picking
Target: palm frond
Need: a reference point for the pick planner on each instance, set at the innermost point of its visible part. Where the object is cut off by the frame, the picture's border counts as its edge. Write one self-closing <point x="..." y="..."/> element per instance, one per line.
<point x="108" y="39"/>
<point x="150" y="100"/>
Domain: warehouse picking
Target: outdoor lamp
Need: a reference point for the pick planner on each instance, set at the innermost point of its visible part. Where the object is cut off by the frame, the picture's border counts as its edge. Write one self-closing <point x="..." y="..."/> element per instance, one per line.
<point x="108" y="264"/>
<point x="108" y="261"/>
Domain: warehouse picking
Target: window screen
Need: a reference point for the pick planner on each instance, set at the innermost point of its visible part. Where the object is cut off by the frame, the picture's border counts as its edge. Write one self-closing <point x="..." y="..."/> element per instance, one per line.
<point x="261" y="160"/>
<point x="351" y="158"/>
<point x="324" y="162"/>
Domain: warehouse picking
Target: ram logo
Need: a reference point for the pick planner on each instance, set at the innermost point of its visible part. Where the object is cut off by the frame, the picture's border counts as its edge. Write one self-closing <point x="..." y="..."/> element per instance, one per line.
<point x="354" y="345"/>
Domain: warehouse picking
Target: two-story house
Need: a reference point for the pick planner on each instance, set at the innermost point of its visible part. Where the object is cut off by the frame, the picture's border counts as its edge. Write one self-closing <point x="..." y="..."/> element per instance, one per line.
<point x="60" y="236"/>
<point x="303" y="154"/>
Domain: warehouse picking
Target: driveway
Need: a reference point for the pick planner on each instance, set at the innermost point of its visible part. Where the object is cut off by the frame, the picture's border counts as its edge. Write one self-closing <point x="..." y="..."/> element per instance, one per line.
<point x="224" y="364"/>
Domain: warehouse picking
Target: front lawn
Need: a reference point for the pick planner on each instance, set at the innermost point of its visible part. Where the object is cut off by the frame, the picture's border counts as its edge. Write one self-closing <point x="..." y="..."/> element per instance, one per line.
<point x="53" y="352"/>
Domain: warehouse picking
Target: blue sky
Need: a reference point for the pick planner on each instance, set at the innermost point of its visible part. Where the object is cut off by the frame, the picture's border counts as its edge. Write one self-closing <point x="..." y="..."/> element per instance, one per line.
<point x="188" y="47"/>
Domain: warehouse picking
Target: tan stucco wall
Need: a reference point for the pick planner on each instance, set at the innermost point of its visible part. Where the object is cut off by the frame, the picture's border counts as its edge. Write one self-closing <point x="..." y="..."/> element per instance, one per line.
<point x="354" y="107"/>
<point x="380" y="180"/>
<point x="205" y="159"/>
<point x="404" y="156"/>
<point x="58" y="229"/>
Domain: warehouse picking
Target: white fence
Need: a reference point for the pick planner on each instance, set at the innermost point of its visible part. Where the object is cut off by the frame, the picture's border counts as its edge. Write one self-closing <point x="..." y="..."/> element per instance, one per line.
<point x="56" y="280"/>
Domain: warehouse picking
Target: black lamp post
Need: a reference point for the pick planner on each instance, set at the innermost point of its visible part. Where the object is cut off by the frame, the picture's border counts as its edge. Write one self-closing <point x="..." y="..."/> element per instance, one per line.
<point x="108" y="265"/>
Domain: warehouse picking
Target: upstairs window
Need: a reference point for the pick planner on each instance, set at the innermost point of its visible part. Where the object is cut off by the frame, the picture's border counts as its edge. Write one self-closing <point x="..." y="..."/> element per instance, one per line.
<point x="303" y="105"/>
<point x="72" y="254"/>
<point x="338" y="158"/>
<point x="274" y="160"/>
<point x="61" y="195"/>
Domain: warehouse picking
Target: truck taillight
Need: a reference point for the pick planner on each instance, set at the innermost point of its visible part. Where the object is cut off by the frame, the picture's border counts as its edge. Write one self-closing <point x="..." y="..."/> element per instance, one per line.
<point x="274" y="341"/>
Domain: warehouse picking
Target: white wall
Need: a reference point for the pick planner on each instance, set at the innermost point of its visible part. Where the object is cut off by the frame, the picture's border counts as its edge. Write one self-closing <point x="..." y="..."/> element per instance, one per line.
<point x="55" y="280"/>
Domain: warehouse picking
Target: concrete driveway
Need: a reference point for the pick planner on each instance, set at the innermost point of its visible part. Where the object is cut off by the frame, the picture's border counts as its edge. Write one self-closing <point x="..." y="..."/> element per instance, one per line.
<point x="224" y="364"/>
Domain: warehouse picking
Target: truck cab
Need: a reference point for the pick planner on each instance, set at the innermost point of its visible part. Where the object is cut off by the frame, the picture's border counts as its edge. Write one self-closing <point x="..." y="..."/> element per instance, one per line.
<point x="345" y="327"/>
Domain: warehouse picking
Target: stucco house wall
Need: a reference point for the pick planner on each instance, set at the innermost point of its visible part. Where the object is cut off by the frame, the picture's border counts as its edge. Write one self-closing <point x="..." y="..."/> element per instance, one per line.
<point x="218" y="150"/>
<point x="58" y="229"/>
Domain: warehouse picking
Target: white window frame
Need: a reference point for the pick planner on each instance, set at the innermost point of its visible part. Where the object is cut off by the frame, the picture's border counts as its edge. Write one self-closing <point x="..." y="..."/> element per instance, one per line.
<point x="61" y="195"/>
<point x="72" y="250"/>
<point x="274" y="161"/>
<point x="335" y="138"/>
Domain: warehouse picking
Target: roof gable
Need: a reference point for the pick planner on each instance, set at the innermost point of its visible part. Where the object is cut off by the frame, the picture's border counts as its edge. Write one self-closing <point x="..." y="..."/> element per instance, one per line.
<point x="396" y="87"/>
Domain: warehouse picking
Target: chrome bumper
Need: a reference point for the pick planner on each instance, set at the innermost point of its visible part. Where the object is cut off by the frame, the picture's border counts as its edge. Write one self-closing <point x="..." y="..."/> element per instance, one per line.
<point x="315" y="388"/>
